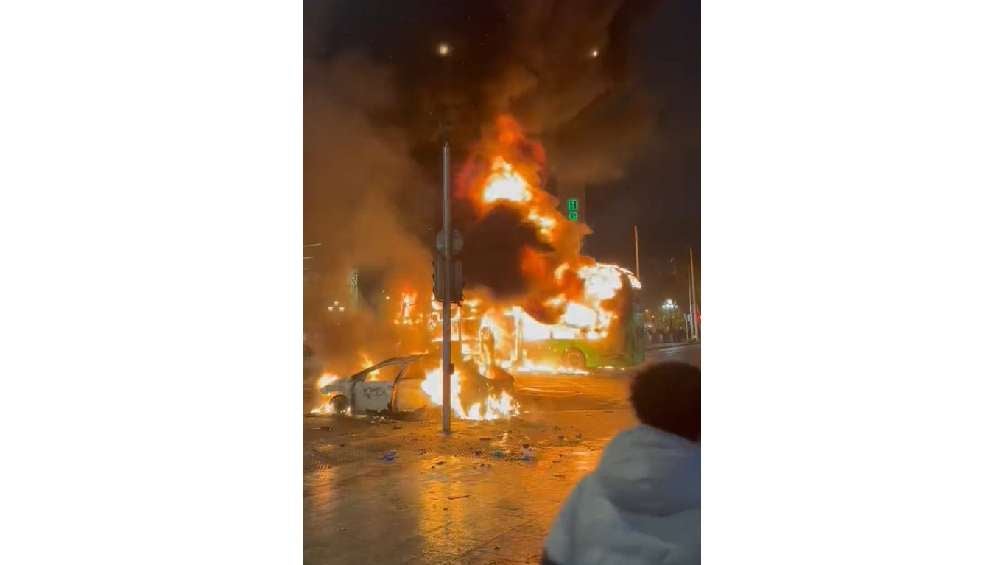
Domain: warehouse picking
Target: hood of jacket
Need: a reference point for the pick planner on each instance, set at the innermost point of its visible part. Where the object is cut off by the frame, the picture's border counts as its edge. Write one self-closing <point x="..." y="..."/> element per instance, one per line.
<point x="647" y="471"/>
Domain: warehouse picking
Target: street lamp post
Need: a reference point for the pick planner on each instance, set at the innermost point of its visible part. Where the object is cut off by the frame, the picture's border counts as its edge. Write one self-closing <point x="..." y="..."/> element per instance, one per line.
<point x="694" y="308"/>
<point x="637" y="263"/>
<point x="443" y="50"/>
<point x="447" y="287"/>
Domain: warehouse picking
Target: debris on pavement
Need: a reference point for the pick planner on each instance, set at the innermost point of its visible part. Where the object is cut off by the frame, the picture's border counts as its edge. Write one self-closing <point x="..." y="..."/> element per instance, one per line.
<point x="401" y="469"/>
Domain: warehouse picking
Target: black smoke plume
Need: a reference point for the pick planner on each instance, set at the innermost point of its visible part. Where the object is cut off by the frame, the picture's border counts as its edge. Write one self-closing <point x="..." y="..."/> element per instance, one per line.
<point x="378" y="100"/>
<point x="492" y="257"/>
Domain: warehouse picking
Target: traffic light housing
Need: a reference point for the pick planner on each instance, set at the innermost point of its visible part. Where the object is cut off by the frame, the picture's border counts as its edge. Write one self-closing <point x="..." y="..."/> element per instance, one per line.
<point x="439" y="280"/>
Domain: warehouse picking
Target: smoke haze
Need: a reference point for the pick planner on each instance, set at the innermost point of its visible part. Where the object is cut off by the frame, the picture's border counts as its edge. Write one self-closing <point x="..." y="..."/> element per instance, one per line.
<point x="377" y="99"/>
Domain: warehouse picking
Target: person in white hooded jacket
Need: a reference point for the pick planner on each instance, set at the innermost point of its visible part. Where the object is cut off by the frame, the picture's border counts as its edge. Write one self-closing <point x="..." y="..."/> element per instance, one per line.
<point x="642" y="504"/>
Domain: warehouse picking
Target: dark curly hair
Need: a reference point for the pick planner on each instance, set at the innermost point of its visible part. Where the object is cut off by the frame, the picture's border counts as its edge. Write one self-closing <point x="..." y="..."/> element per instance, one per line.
<point x="668" y="396"/>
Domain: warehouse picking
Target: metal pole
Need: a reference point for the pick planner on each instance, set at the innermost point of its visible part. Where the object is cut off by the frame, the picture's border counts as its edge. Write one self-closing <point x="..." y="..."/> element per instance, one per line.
<point x="693" y="303"/>
<point x="447" y="286"/>
<point x="690" y="302"/>
<point x="686" y="324"/>
<point x="637" y="265"/>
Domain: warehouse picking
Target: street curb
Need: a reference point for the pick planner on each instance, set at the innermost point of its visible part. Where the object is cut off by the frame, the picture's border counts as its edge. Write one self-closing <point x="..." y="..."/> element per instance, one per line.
<point x="661" y="346"/>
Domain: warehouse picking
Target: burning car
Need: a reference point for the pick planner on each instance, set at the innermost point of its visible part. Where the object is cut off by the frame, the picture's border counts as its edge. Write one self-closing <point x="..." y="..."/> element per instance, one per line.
<point x="393" y="385"/>
<point x="411" y="383"/>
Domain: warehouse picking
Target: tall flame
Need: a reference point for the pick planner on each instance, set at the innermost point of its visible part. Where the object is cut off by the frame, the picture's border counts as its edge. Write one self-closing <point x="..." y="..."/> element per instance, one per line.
<point x="493" y="407"/>
<point x="566" y="296"/>
<point x="570" y="296"/>
<point x="504" y="183"/>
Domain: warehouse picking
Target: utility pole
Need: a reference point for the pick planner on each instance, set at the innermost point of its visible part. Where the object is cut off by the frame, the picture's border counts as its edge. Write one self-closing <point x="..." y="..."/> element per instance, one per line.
<point x="443" y="50"/>
<point x="448" y="295"/>
<point x="693" y="298"/>
<point x="637" y="264"/>
<point x="690" y="315"/>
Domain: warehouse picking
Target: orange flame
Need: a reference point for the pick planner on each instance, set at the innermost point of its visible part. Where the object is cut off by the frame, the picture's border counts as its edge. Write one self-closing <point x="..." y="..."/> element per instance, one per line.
<point x="505" y="184"/>
<point x="502" y="405"/>
<point x="569" y="296"/>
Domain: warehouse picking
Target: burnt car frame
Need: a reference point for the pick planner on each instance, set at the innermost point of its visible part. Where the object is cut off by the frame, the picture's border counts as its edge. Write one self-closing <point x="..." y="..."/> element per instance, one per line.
<point x="390" y="386"/>
<point x="393" y="386"/>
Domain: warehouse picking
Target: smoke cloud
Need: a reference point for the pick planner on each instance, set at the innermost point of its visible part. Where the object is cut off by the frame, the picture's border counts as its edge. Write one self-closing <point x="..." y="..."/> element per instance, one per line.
<point x="359" y="182"/>
<point x="377" y="99"/>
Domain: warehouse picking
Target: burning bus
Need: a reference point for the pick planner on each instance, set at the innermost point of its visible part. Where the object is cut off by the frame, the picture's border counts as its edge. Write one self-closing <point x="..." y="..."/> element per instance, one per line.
<point x="537" y="303"/>
<point x="533" y="303"/>
<point x="603" y="329"/>
<point x="586" y="337"/>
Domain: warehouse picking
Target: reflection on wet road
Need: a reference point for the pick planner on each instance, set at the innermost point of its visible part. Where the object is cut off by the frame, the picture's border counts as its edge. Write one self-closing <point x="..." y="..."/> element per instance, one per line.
<point x="399" y="492"/>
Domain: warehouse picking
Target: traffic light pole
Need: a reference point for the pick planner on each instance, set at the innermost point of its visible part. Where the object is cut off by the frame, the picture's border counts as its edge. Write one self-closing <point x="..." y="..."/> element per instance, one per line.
<point x="448" y="294"/>
<point x="694" y="308"/>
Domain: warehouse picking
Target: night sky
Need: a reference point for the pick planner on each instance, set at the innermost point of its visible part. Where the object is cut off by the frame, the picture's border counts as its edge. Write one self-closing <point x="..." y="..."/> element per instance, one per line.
<point x="661" y="191"/>
<point x="625" y="126"/>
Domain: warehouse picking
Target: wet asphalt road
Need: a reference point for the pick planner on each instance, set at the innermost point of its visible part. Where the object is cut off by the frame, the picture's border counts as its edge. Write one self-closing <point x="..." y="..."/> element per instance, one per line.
<point x="400" y="492"/>
<point x="687" y="353"/>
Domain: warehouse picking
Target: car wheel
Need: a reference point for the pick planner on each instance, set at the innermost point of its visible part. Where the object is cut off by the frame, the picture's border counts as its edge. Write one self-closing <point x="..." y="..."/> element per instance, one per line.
<point x="339" y="404"/>
<point x="575" y="359"/>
